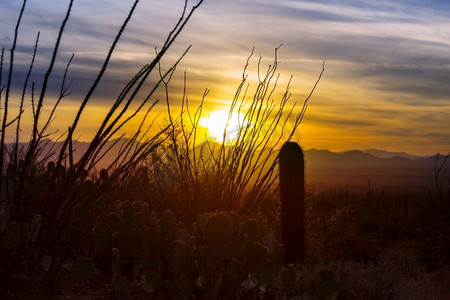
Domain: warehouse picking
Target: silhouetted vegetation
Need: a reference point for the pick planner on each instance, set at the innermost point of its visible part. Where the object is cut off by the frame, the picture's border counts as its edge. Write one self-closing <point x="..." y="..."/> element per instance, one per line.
<point x="176" y="216"/>
<point x="292" y="198"/>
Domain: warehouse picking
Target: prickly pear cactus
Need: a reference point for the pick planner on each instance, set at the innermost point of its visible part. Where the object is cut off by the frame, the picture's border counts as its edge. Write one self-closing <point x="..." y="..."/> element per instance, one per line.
<point x="220" y="256"/>
<point x="323" y="285"/>
<point x="292" y="195"/>
<point x="250" y="228"/>
<point x="218" y="231"/>
<point x="167" y="222"/>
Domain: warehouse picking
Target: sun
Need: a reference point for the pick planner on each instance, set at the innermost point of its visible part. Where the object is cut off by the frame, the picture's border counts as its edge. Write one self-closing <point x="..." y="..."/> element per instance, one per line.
<point x="219" y="122"/>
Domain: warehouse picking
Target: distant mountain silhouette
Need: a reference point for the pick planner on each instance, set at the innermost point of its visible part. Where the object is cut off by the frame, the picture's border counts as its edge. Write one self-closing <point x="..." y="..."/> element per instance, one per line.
<point x="359" y="159"/>
<point x="357" y="167"/>
<point x="51" y="150"/>
<point x="353" y="167"/>
<point x="388" y="154"/>
<point x="327" y="159"/>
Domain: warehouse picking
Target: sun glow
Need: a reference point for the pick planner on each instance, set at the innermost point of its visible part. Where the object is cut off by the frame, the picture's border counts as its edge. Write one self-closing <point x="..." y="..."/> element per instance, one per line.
<point x="220" y="125"/>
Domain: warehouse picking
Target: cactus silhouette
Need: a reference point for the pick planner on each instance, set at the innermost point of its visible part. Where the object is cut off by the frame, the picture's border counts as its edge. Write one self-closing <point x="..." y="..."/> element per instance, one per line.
<point x="292" y="194"/>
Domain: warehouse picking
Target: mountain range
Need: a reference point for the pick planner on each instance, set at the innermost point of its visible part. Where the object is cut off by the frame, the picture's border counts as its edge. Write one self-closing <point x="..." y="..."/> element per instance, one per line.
<point x="381" y="167"/>
<point x="366" y="159"/>
<point x="388" y="154"/>
<point x="354" y="167"/>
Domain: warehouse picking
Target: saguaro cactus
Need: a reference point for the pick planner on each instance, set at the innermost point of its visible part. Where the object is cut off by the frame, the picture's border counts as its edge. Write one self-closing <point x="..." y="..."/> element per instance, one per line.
<point x="292" y="194"/>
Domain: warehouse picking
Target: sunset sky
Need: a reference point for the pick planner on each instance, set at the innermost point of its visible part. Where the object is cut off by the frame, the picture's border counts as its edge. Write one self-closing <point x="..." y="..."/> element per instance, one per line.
<point x="387" y="63"/>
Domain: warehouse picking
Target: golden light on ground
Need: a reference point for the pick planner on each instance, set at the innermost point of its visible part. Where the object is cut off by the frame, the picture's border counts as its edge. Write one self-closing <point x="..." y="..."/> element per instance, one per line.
<point x="222" y="126"/>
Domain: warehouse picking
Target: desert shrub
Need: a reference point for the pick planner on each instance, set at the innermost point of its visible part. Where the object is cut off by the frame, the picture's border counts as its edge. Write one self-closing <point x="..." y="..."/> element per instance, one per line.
<point x="37" y="181"/>
<point x="191" y="174"/>
<point x="357" y="225"/>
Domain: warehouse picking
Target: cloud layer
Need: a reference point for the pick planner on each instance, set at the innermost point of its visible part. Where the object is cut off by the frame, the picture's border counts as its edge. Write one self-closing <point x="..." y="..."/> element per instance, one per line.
<point x="387" y="78"/>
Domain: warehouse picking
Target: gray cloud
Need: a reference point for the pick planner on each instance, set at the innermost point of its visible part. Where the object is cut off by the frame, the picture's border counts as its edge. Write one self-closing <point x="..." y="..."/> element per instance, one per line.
<point x="396" y="52"/>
